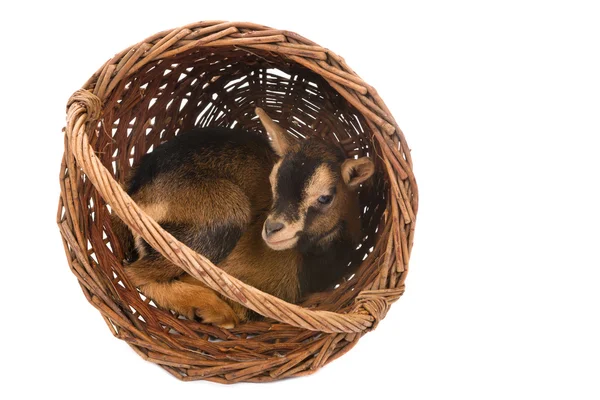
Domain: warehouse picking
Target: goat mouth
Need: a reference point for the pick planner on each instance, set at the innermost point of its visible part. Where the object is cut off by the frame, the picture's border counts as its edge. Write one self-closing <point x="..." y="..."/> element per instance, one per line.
<point x="282" y="244"/>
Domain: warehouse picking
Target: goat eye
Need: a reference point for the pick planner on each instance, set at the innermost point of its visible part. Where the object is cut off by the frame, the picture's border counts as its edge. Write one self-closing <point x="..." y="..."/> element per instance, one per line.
<point x="324" y="199"/>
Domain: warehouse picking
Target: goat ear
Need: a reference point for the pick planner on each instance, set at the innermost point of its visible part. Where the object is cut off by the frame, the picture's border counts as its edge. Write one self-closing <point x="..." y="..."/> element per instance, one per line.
<point x="281" y="141"/>
<point x="357" y="171"/>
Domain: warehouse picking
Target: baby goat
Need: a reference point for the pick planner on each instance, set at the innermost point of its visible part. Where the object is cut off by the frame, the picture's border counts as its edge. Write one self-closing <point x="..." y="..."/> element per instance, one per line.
<point x="282" y="216"/>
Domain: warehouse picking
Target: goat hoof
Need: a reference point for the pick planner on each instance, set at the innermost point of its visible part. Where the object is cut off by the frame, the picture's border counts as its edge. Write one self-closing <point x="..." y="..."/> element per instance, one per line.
<point x="223" y="318"/>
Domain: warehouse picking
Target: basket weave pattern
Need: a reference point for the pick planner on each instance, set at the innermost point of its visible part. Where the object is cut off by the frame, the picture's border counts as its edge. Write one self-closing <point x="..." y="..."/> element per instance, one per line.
<point x="215" y="74"/>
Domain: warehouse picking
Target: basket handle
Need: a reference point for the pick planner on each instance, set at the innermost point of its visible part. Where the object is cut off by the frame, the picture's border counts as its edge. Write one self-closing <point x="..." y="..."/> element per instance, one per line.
<point x="370" y="307"/>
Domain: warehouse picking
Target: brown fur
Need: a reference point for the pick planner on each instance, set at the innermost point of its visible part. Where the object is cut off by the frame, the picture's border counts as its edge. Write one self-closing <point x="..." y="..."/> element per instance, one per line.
<point x="231" y="188"/>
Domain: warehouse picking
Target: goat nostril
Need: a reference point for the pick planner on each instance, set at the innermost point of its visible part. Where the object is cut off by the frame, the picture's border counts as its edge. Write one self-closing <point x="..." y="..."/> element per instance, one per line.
<point x="272" y="227"/>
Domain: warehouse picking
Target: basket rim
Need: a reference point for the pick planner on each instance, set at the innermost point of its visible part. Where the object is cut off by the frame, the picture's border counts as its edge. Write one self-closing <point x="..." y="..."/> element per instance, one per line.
<point x="85" y="107"/>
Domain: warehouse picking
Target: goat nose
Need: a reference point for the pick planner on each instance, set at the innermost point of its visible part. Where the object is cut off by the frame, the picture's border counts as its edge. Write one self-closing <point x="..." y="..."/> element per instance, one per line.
<point x="272" y="227"/>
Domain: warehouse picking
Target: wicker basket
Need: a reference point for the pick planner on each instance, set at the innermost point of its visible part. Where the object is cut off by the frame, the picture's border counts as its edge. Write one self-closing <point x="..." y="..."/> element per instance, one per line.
<point x="215" y="74"/>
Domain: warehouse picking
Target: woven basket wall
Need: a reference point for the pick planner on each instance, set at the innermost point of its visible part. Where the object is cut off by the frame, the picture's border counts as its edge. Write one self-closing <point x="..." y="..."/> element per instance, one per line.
<point x="215" y="74"/>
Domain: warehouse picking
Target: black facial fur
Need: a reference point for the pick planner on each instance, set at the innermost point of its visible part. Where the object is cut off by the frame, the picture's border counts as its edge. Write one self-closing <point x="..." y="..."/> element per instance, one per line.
<point x="295" y="171"/>
<point x="292" y="177"/>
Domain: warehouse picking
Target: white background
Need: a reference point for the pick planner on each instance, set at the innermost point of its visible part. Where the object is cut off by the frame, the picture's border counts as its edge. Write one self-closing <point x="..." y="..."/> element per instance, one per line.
<point x="501" y="106"/>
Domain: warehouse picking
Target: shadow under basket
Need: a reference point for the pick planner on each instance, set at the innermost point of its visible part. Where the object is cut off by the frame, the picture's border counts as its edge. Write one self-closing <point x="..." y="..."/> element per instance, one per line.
<point x="215" y="74"/>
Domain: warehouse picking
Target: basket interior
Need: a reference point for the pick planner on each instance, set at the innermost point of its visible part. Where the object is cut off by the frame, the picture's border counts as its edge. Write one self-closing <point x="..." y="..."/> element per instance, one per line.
<point x="221" y="87"/>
